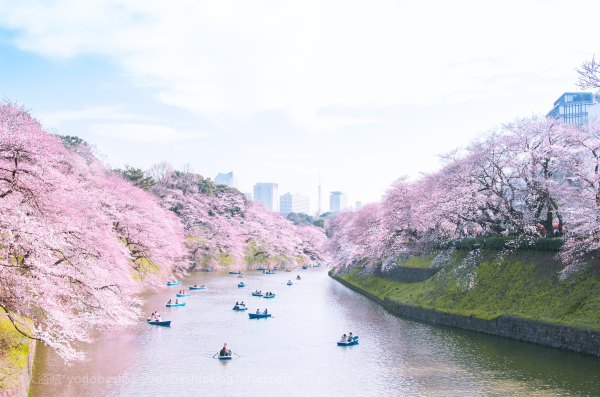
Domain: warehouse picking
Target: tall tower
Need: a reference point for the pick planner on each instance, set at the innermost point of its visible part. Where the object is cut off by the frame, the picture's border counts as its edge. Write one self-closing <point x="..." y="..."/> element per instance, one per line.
<point x="319" y="210"/>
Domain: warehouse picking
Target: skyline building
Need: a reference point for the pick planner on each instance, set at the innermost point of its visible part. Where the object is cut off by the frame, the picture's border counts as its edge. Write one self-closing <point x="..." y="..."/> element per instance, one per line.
<point x="295" y="202"/>
<point x="267" y="193"/>
<point x="338" y="201"/>
<point x="576" y="107"/>
<point x="228" y="179"/>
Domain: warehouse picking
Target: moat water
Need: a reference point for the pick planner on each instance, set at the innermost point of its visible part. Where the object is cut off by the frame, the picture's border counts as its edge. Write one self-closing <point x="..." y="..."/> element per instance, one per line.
<point x="294" y="353"/>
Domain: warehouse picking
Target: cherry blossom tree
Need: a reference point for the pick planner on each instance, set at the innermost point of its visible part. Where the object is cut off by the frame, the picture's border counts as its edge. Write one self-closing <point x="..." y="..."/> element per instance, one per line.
<point x="71" y="237"/>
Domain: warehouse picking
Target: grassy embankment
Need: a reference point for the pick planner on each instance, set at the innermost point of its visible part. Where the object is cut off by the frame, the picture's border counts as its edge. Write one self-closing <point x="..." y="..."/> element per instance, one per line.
<point x="525" y="284"/>
<point x="14" y="350"/>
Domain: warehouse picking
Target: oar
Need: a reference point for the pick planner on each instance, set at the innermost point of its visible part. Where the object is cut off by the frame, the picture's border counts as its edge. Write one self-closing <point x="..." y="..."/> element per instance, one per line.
<point x="236" y="354"/>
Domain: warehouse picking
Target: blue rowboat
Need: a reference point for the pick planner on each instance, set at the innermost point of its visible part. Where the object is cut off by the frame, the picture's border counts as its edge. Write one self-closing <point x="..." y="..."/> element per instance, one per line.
<point x="234" y="272"/>
<point x="173" y="283"/>
<point x="175" y="304"/>
<point x="304" y="267"/>
<point x="269" y="296"/>
<point x="207" y="269"/>
<point x="240" y="308"/>
<point x="260" y="315"/>
<point x="289" y="283"/>
<point x="197" y="288"/>
<point x="225" y="357"/>
<point x="268" y="272"/>
<point x="182" y="295"/>
<point x="261" y="268"/>
<point x="354" y="341"/>
<point x="241" y="285"/>
<point x="255" y="294"/>
<point x="161" y="323"/>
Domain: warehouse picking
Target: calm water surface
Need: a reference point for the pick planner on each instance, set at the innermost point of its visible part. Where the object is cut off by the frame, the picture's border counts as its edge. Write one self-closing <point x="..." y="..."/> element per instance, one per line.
<point x="295" y="354"/>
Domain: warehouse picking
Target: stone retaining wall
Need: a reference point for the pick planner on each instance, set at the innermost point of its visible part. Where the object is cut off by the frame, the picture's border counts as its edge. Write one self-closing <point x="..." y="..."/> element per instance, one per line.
<point x="541" y="333"/>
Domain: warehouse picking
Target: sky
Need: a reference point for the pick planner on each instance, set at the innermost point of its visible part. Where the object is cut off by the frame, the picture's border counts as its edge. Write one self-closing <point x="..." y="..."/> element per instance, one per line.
<point x="359" y="93"/>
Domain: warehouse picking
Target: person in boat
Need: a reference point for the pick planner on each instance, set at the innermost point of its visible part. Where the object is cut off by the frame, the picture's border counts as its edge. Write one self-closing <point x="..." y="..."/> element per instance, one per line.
<point x="169" y="302"/>
<point x="298" y="277"/>
<point x="158" y="317"/>
<point x="237" y="303"/>
<point x="195" y="285"/>
<point x="350" y="337"/>
<point x="257" y="311"/>
<point x="265" y="312"/>
<point x="344" y="338"/>
<point x="242" y="304"/>
<point x="176" y="301"/>
<point x="225" y="351"/>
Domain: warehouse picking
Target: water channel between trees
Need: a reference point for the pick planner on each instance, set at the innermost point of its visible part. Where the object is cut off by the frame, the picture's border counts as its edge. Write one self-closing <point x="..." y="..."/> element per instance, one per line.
<point x="295" y="353"/>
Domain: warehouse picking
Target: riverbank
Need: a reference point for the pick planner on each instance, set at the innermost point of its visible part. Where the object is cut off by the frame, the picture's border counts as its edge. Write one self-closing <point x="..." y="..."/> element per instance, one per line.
<point x="519" y="297"/>
<point x="16" y="360"/>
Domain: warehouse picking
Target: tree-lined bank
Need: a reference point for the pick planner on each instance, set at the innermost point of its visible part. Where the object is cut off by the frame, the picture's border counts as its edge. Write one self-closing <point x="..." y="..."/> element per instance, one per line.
<point x="79" y="242"/>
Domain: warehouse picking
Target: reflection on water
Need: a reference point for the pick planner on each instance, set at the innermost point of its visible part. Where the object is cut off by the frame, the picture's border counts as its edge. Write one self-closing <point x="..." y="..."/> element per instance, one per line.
<point x="295" y="352"/>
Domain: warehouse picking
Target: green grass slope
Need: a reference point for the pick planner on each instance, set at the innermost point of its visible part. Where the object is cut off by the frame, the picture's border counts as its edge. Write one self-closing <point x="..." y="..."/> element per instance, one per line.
<point x="13" y="354"/>
<point x="524" y="284"/>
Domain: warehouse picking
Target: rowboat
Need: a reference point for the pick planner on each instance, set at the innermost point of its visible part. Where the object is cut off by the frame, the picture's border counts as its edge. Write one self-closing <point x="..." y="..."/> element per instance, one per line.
<point x="268" y="272"/>
<point x="161" y="323"/>
<point x="238" y="272"/>
<point x="225" y="357"/>
<point x="176" y="304"/>
<point x="354" y="341"/>
<point x="197" y="288"/>
<point x="269" y="296"/>
<point x="182" y="295"/>
<point x="304" y="267"/>
<point x="240" y="308"/>
<point x="173" y="283"/>
<point x="289" y="283"/>
<point x="261" y="268"/>
<point x="207" y="269"/>
<point x="241" y="285"/>
<point x="256" y="294"/>
<point x="259" y="315"/>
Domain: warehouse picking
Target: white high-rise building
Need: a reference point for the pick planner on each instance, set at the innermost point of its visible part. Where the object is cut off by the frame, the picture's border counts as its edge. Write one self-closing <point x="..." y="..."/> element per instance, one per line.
<point x="228" y="179"/>
<point x="294" y="203"/>
<point x="267" y="194"/>
<point x="338" y="201"/>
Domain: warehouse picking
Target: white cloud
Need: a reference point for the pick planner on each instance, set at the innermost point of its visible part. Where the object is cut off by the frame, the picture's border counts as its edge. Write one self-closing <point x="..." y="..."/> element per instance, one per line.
<point x="57" y="119"/>
<point x="232" y="59"/>
<point x="142" y="133"/>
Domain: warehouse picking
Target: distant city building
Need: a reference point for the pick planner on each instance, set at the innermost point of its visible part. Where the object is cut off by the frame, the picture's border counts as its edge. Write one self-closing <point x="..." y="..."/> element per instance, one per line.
<point x="358" y="205"/>
<point x="289" y="202"/>
<point x="228" y="179"/>
<point x="338" y="201"/>
<point x="576" y="107"/>
<point x="267" y="194"/>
